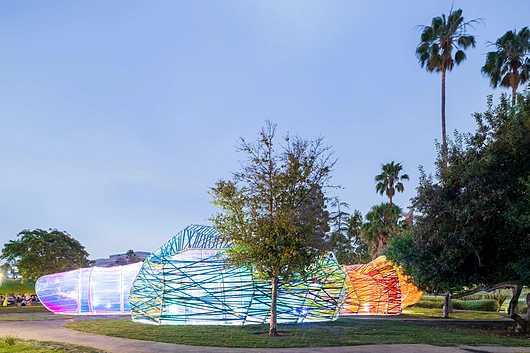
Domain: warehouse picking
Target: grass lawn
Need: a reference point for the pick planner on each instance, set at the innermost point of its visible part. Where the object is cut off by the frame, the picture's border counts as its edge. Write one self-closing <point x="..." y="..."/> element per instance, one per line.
<point x="12" y="344"/>
<point x="15" y="287"/>
<point x="343" y="332"/>
<point x="13" y="309"/>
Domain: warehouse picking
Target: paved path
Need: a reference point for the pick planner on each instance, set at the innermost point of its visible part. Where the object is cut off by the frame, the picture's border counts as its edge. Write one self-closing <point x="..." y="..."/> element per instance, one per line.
<point x="53" y="331"/>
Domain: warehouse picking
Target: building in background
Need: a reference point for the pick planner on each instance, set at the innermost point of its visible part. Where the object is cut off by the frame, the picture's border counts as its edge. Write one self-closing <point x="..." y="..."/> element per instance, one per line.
<point x="122" y="259"/>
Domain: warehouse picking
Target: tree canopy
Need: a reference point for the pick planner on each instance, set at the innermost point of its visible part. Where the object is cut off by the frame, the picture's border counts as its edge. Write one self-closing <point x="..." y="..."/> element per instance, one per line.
<point x="274" y="209"/>
<point x="39" y="252"/>
<point x="474" y="220"/>
<point x="390" y="180"/>
<point x="509" y="65"/>
<point x="435" y="51"/>
<point x="382" y="224"/>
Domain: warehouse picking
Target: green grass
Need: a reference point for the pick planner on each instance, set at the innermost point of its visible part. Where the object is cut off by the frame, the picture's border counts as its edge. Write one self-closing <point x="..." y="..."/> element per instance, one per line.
<point x="13" y="286"/>
<point x="12" y="344"/>
<point x="13" y="309"/>
<point x="343" y="332"/>
<point x="34" y="317"/>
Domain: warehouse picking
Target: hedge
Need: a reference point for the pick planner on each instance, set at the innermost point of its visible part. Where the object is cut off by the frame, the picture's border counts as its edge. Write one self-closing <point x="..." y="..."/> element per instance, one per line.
<point x="476" y="305"/>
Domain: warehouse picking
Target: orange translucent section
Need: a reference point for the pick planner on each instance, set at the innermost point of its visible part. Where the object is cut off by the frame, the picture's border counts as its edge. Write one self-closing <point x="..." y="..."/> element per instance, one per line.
<point x="378" y="288"/>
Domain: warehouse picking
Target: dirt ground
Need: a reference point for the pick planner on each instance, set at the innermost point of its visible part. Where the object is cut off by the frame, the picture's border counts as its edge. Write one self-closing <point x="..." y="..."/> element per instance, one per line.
<point x="491" y="328"/>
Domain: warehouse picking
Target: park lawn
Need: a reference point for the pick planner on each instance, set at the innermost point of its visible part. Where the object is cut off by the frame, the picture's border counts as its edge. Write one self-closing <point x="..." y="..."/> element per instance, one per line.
<point x="16" y="287"/>
<point x="343" y="332"/>
<point x="12" y="344"/>
<point x="14" y="309"/>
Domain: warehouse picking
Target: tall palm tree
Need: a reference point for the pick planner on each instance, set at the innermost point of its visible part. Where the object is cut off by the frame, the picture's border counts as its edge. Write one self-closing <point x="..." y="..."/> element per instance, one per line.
<point x="435" y="51"/>
<point x="389" y="181"/>
<point x="509" y="65"/>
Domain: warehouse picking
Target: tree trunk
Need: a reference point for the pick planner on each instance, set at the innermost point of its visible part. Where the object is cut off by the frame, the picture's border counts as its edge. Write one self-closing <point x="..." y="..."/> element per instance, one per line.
<point x="444" y="134"/>
<point x="514" y="95"/>
<point x="273" y="327"/>
<point x="512" y="307"/>
<point x="523" y="324"/>
<point x="447" y="305"/>
<point x="527" y="317"/>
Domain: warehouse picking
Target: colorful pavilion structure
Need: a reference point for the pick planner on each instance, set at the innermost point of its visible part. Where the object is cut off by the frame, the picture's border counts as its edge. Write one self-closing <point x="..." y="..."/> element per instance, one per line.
<point x="187" y="282"/>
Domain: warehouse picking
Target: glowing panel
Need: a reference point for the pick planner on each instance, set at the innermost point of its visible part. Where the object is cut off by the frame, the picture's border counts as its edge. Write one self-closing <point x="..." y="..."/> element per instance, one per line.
<point x="88" y="291"/>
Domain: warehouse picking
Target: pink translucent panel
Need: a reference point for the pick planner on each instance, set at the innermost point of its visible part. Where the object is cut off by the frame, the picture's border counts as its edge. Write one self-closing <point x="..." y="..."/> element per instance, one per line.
<point x="87" y="291"/>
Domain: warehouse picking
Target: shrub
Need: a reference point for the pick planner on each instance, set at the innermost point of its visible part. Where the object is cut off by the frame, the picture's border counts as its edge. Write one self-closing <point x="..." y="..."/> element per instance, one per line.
<point x="476" y="305"/>
<point x="497" y="296"/>
<point x="10" y="340"/>
<point x="473" y="297"/>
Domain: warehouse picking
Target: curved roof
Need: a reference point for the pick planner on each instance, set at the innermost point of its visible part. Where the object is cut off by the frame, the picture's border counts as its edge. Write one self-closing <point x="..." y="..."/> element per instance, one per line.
<point x="192" y="237"/>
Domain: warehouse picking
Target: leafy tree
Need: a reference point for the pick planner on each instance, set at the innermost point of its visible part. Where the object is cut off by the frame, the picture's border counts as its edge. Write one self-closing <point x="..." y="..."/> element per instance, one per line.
<point x="389" y="181"/>
<point x="131" y="256"/>
<point x="474" y="220"/>
<point x="347" y="244"/>
<point x="274" y="209"/>
<point x="509" y="65"/>
<point x="435" y="51"/>
<point x="39" y="252"/>
<point x="382" y="224"/>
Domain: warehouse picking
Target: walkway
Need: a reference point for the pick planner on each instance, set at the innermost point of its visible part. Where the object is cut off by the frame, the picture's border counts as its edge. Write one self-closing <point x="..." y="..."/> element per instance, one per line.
<point x="53" y="331"/>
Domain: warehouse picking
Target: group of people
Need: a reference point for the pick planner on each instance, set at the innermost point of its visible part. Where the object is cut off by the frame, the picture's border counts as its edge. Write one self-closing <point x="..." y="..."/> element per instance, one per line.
<point x="19" y="299"/>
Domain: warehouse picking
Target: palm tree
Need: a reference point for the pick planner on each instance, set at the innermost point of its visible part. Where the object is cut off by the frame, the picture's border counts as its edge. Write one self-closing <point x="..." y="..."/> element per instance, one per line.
<point x="389" y="181"/>
<point x="509" y="65"/>
<point x="382" y="224"/>
<point x="435" y="51"/>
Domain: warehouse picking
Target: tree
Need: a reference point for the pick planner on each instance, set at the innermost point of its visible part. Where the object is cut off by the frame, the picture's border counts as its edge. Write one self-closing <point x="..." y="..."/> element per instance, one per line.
<point x="274" y="209"/>
<point x="473" y="224"/>
<point x="347" y="244"/>
<point x="39" y="252"/>
<point x="382" y="224"/>
<point x="389" y="181"/>
<point x="131" y="256"/>
<point x="509" y="65"/>
<point x="435" y="51"/>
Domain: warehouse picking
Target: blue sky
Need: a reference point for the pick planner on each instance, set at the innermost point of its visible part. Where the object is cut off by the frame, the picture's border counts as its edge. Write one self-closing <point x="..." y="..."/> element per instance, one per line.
<point x="117" y="116"/>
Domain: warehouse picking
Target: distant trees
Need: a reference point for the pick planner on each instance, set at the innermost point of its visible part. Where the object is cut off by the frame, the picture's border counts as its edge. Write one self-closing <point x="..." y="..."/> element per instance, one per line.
<point x="345" y="239"/>
<point x="39" y="252"/>
<point x="474" y="220"/>
<point x="509" y="65"/>
<point x="273" y="211"/>
<point x="435" y="51"/>
<point x="390" y="180"/>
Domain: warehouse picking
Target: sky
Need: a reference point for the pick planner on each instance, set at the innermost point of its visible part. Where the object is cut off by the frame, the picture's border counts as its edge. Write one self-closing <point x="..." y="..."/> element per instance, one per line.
<point x="116" y="117"/>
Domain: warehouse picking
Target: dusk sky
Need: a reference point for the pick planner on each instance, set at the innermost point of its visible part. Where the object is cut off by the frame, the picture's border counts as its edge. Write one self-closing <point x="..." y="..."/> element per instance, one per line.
<point x="118" y="116"/>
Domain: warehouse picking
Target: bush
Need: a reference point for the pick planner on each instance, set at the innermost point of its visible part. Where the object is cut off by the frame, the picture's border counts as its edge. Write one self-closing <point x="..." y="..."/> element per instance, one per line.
<point x="10" y="340"/>
<point x="476" y="305"/>
<point x="524" y="310"/>
<point x="497" y="295"/>
<point x="473" y="297"/>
